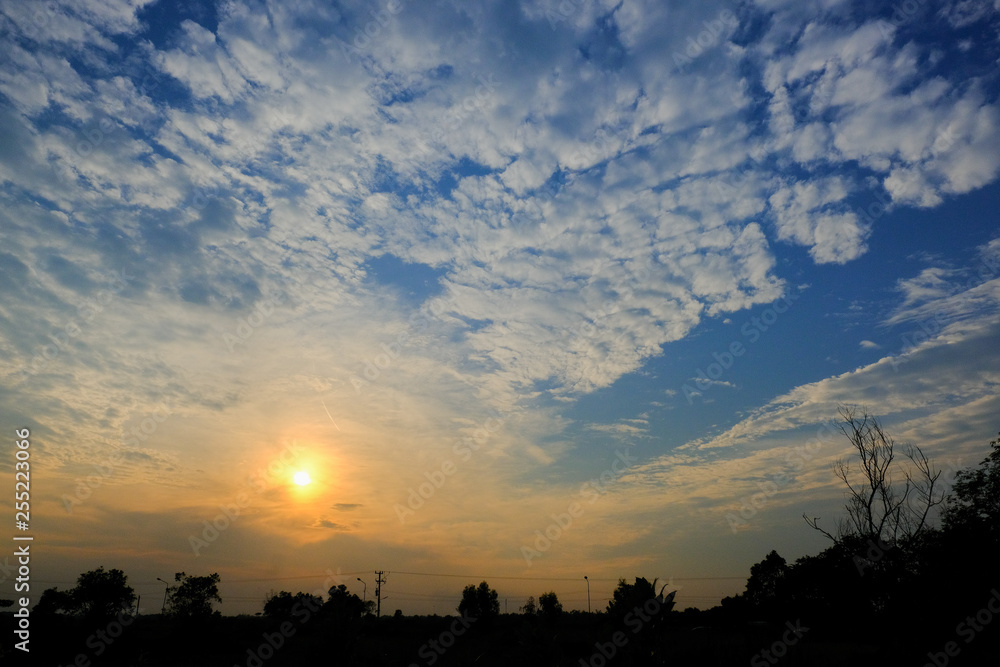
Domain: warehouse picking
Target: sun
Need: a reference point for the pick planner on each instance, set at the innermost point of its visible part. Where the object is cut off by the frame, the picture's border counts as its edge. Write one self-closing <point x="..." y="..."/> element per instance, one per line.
<point x="302" y="478"/>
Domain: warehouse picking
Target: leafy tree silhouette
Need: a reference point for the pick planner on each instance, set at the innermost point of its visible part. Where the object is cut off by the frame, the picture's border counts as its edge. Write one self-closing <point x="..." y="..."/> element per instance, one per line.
<point x="99" y="595"/>
<point x="766" y="591"/>
<point x="343" y="606"/>
<point x="102" y="594"/>
<point x="967" y="548"/>
<point x="481" y="603"/>
<point x="284" y="604"/>
<point x="54" y="601"/>
<point x="641" y="612"/>
<point x="549" y="605"/>
<point x="193" y="597"/>
<point x="974" y="505"/>
<point x="530" y="608"/>
<point x="627" y="597"/>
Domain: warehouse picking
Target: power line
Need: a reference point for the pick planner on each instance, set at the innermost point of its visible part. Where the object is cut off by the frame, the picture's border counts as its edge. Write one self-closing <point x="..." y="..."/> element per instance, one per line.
<point x="488" y="577"/>
<point x="306" y="576"/>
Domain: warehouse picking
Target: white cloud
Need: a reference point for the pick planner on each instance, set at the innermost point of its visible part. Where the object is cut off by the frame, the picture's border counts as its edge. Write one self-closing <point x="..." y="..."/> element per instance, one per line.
<point x="579" y="213"/>
<point x="201" y="64"/>
<point x="808" y="214"/>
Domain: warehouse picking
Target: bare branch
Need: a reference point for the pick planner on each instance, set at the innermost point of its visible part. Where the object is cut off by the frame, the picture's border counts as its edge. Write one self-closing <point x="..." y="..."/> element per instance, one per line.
<point x="878" y="506"/>
<point x="813" y="522"/>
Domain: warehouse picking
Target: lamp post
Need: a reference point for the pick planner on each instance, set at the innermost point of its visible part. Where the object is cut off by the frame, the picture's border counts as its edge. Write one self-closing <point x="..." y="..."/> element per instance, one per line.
<point x="164" y="605"/>
<point x="588" y="593"/>
<point x="364" y="597"/>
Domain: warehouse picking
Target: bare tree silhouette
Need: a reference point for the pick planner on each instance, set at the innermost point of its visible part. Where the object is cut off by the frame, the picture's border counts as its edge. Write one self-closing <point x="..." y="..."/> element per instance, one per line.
<point x="888" y="502"/>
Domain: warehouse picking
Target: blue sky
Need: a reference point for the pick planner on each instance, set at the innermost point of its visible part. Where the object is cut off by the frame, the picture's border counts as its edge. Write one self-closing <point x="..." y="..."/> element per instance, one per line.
<point x="458" y="260"/>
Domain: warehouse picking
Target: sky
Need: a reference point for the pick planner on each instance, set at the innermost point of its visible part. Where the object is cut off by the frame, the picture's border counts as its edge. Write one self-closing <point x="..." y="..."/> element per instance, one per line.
<point x="532" y="291"/>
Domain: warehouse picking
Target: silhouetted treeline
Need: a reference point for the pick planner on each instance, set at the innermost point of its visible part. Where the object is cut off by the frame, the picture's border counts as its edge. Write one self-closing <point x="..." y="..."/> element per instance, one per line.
<point x="910" y="592"/>
<point x="893" y="588"/>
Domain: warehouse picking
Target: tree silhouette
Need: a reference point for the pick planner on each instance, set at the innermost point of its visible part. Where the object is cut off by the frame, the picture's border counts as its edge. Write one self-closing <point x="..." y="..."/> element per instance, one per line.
<point x="284" y="604"/>
<point x="641" y="612"/>
<point x="193" y="597"/>
<point x="764" y="587"/>
<point x="482" y="602"/>
<point x="629" y="597"/>
<point x="887" y="503"/>
<point x="974" y="505"/>
<point x="101" y="594"/>
<point x="966" y="550"/>
<point x="344" y="606"/>
<point x="55" y="601"/>
<point x="549" y="605"/>
<point x="530" y="608"/>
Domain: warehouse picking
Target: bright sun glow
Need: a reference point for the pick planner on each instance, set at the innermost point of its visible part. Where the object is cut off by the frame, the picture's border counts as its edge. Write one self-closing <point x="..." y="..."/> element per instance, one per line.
<point x="302" y="478"/>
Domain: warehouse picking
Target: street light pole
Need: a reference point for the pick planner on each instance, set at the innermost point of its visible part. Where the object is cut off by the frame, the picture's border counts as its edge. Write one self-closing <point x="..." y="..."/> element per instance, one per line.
<point x="588" y="593"/>
<point x="365" y="594"/>
<point x="164" y="605"/>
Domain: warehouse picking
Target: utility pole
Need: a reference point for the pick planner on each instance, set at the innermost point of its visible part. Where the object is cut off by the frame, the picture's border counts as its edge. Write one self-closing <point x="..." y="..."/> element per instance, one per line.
<point x="379" y="580"/>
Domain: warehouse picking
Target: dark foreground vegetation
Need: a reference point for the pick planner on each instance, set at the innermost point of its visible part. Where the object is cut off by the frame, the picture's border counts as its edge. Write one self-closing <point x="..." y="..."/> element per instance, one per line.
<point x="895" y="587"/>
